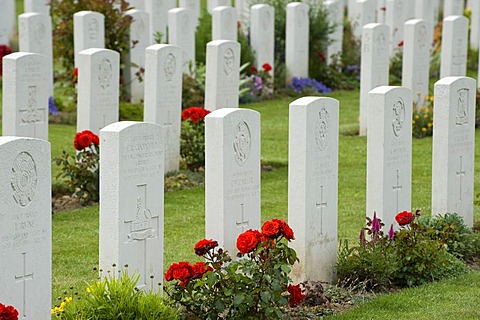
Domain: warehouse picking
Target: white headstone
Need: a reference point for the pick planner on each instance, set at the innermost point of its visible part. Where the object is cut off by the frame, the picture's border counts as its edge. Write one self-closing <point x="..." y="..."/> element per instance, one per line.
<point x="475" y="24"/>
<point x="194" y="6"/>
<point x="89" y="31"/>
<point x="395" y="17"/>
<point x="374" y="65"/>
<point x="35" y="36"/>
<point x="454" y="47"/>
<point x="41" y="6"/>
<point x="163" y="96"/>
<point x="335" y="14"/>
<point x="454" y="147"/>
<point x="158" y="13"/>
<point x="7" y="21"/>
<point x="137" y="4"/>
<point x="211" y="4"/>
<point x="416" y="59"/>
<point x="222" y="74"/>
<point x="224" y="23"/>
<point x="389" y="153"/>
<point x="98" y="89"/>
<point x="25" y="95"/>
<point x="181" y="32"/>
<point x="131" y="200"/>
<point x="381" y="11"/>
<point x="453" y="8"/>
<point x="243" y="8"/>
<point x="135" y="61"/>
<point x="424" y="10"/>
<point x="296" y="42"/>
<point x="409" y="12"/>
<point x="26" y="227"/>
<point x="313" y="187"/>
<point x="262" y="35"/>
<point x="232" y="175"/>
<point x="361" y="12"/>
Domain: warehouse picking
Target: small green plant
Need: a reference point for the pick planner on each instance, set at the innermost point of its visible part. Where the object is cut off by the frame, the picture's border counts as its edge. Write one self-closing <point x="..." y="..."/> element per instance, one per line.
<point x="193" y="89"/>
<point x="114" y="297"/>
<point x="396" y="65"/>
<point x="81" y="172"/>
<point x="192" y="137"/>
<point x="253" y="287"/>
<point x="257" y="84"/>
<point x="422" y="118"/>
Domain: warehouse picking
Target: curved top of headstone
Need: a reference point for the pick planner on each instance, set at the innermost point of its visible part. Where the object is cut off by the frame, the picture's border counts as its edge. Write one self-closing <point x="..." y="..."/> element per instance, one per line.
<point x="7" y="139"/>
<point x="455" y="18"/>
<point x="388" y="89"/>
<point x="223" y="42"/>
<point x="124" y="125"/>
<point x="32" y="14"/>
<point x="93" y="51"/>
<point x="178" y="10"/>
<point x="222" y="8"/>
<point x="87" y="13"/>
<point x="158" y="47"/>
<point x="415" y="21"/>
<point x="260" y="6"/>
<point x="304" y="101"/>
<point x="452" y="80"/>
<point x="375" y="25"/>
<point x="23" y="55"/>
<point x="225" y="112"/>
<point x="297" y="4"/>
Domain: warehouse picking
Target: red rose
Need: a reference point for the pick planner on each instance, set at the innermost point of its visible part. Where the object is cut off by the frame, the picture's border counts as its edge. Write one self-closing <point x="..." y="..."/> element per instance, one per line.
<point x="186" y="113"/>
<point x="199" y="269"/>
<point x="267" y="67"/>
<point x="84" y="139"/>
<point x="4" y="51"/>
<point x="253" y="69"/>
<point x="271" y="229"/>
<point x="182" y="271"/>
<point x="95" y="139"/>
<point x="203" y="246"/>
<point x="75" y="72"/>
<point x="400" y="44"/>
<point x="285" y="229"/>
<point x="8" y="312"/>
<point x="248" y="241"/>
<point x="195" y="114"/>
<point x="404" y="218"/>
<point x="296" y="295"/>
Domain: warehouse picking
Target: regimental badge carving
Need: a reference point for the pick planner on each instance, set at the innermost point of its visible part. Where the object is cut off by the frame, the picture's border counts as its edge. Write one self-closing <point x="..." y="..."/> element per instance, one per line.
<point x="24" y="179"/>
<point x="228" y="61"/>
<point x="32" y="113"/>
<point x="93" y="29"/>
<point x="170" y="66"/>
<point x="105" y="73"/>
<point x="422" y="37"/>
<point x="321" y="129"/>
<point x="462" y="107"/>
<point x="366" y="43"/>
<point x="141" y="227"/>
<point x="242" y="143"/>
<point x="398" y="117"/>
<point x="381" y="43"/>
<point x="40" y="32"/>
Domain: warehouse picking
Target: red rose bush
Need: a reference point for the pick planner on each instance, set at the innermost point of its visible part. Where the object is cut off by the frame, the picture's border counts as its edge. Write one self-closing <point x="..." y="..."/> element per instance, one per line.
<point x="254" y="284"/>
<point x="8" y="312"/>
<point x="192" y="138"/>
<point x="81" y="172"/>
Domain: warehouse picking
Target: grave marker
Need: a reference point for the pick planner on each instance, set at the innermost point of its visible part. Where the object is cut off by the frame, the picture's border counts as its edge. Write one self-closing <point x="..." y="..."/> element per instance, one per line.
<point x="194" y="6"/>
<point x="181" y="32"/>
<point x="416" y="59"/>
<point x="454" y="47"/>
<point x="222" y="74"/>
<point x="361" y="13"/>
<point x="26" y="226"/>
<point x="262" y="37"/>
<point x="89" y="31"/>
<point x="40" y="6"/>
<point x="381" y="11"/>
<point x="211" y="4"/>
<point x="389" y="153"/>
<point x="296" y="42"/>
<point x="224" y="23"/>
<point x="98" y="89"/>
<point x="163" y="97"/>
<point x="158" y="18"/>
<point x="453" y="8"/>
<point x="475" y="25"/>
<point x="35" y="36"/>
<point x="7" y="21"/>
<point x="375" y="63"/>
<point x="313" y="187"/>
<point x="395" y="18"/>
<point x="135" y="60"/>
<point x="335" y="14"/>
<point x="454" y="147"/>
<point x="131" y="200"/>
<point x="25" y="95"/>
<point x="232" y="175"/>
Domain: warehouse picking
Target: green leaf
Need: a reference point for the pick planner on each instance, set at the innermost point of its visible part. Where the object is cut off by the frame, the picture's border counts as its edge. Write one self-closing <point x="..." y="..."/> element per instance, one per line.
<point x="238" y="299"/>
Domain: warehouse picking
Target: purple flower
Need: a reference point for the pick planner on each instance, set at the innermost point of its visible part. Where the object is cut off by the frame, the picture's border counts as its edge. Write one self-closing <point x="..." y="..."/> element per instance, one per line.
<point x="362" y="237"/>
<point x="391" y="233"/>
<point x="375" y="223"/>
<point x="52" y="108"/>
<point x="302" y="84"/>
<point x="258" y="83"/>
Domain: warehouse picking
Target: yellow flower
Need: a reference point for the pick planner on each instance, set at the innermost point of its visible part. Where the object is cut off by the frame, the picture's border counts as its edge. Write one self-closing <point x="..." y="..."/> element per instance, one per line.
<point x="425" y="116"/>
<point x="425" y="97"/>
<point x="417" y="116"/>
<point x="88" y="290"/>
<point x="427" y="110"/>
<point x="424" y="130"/>
<point x="413" y="121"/>
<point x="431" y="99"/>
<point x="429" y="124"/>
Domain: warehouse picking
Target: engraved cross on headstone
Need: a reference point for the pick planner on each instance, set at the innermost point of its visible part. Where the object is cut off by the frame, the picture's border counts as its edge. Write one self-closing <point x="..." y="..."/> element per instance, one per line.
<point x="320" y="205"/>
<point x="23" y="279"/>
<point x="32" y="113"/>
<point x="461" y="174"/>
<point x="143" y="226"/>
<point x="397" y="188"/>
<point x="242" y="223"/>
<point x="168" y="124"/>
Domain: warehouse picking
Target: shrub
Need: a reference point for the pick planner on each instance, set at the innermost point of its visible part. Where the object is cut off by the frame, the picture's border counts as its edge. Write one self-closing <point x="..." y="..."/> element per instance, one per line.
<point x="193" y="89"/>
<point x="257" y="85"/>
<point x="308" y="86"/>
<point x="396" y="65"/>
<point x="82" y="171"/>
<point x="253" y="287"/>
<point x="114" y="297"/>
<point x="192" y="137"/>
<point x="422" y="119"/>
